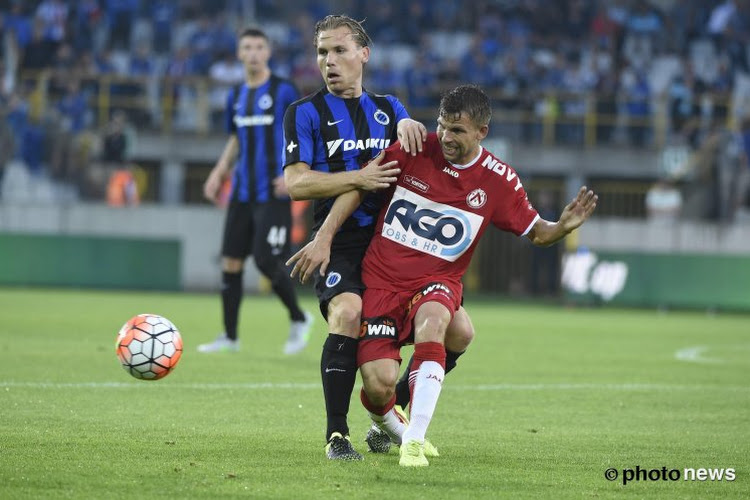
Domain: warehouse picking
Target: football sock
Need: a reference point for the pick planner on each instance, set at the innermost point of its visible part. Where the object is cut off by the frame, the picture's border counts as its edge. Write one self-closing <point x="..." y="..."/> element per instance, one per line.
<point x="231" y="296"/>
<point x="426" y="380"/>
<point x="282" y="286"/>
<point x="338" y="368"/>
<point x="385" y="417"/>
<point x="402" y="387"/>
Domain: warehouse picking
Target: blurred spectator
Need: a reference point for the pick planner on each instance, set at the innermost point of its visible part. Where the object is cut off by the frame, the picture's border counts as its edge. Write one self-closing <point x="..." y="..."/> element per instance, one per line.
<point x="19" y="24"/>
<point x="53" y="14"/>
<point x="88" y="15"/>
<point x="545" y="261"/>
<point x="39" y="52"/>
<point x="664" y="201"/>
<point x="225" y="74"/>
<point x="637" y="94"/>
<point x="122" y="188"/>
<point x="163" y="15"/>
<point x="120" y="14"/>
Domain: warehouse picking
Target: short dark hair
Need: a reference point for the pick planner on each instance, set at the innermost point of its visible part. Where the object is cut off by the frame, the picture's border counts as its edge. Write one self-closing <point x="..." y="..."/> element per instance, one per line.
<point x="468" y="99"/>
<point x="254" y="32"/>
<point x="341" y="20"/>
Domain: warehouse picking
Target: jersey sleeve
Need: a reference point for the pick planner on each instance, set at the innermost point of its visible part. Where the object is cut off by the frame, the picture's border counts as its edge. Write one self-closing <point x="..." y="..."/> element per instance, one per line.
<point x="298" y="136"/>
<point x="516" y="214"/>
<point x="399" y="110"/>
<point x="229" y="112"/>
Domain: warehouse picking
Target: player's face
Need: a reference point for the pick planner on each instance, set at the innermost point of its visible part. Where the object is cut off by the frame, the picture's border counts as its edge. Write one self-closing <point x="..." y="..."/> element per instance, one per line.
<point x="459" y="139"/>
<point x="254" y="52"/>
<point x="341" y="61"/>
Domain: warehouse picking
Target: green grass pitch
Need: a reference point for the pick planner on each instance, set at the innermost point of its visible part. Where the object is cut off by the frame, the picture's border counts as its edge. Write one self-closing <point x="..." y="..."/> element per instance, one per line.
<point x="545" y="400"/>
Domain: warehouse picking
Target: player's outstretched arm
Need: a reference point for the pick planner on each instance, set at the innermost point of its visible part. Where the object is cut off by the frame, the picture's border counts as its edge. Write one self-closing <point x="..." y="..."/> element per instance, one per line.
<point x="317" y="253"/>
<point x="221" y="170"/>
<point x="545" y="233"/>
<point x="304" y="183"/>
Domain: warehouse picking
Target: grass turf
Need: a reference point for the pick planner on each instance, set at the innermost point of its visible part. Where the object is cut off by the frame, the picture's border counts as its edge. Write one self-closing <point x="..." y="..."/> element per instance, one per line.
<point x="543" y="403"/>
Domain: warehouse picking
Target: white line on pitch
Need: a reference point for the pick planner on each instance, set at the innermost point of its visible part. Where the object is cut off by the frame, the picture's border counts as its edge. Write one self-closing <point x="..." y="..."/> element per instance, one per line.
<point x="316" y="386"/>
<point x="695" y="355"/>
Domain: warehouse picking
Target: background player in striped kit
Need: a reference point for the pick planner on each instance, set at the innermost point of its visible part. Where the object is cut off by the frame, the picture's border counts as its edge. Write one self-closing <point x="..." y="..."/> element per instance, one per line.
<point x="329" y="135"/>
<point x="258" y="220"/>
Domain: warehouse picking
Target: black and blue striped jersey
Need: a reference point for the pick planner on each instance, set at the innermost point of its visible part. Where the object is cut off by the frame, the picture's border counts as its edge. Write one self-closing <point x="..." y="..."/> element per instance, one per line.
<point x="332" y="134"/>
<point x="256" y="116"/>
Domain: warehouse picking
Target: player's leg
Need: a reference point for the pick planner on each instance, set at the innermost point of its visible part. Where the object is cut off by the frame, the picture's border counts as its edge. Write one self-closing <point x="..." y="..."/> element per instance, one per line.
<point x="338" y="370"/>
<point x="235" y="247"/>
<point x="273" y="221"/>
<point x="379" y="398"/>
<point x="426" y="378"/>
<point x="458" y="336"/>
<point x="339" y="293"/>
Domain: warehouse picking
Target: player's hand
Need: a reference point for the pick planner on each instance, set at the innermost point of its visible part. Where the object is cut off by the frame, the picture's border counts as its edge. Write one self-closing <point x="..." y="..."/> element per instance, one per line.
<point x="577" y="211"/>
<point x="411" y="134"/>
<point x="212" y="187"/>
<point x="279" y="187"/>
<point x="374" y="176"/>
<point x="317" y="253"/>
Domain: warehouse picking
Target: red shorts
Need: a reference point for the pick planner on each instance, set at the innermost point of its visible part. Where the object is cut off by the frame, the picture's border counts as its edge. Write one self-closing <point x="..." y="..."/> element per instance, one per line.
<point x="387" y="318"/>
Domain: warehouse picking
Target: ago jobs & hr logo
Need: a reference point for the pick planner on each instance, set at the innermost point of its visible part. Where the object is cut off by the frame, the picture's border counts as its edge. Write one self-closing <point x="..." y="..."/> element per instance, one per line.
<point x="429" y="227"/>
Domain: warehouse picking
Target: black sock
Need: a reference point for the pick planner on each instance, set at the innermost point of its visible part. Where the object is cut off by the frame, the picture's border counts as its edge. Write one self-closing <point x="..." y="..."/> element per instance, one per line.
<point x="284" y="289"/>
<point x="231" y="296"/>
<point x="402" y="386"/>
<point x="338" y="368"/>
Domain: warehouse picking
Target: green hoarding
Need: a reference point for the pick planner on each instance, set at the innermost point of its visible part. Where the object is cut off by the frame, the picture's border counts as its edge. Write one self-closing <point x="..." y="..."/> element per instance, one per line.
<point x="106" y="262"/>
<point x="651" y="279"/>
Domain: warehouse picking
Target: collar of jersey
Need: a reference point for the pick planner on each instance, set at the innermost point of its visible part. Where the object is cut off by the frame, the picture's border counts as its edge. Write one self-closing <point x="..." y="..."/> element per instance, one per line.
<point x="471" y="163"/>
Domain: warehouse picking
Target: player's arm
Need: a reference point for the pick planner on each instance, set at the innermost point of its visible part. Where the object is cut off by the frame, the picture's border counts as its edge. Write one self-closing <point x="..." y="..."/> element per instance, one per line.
<point x="411" y="135"/>
<point x="305" y="183"/>
<point x="545" y="233"/>
<point x="317" y="253"/>
<point x="221" y="170"/>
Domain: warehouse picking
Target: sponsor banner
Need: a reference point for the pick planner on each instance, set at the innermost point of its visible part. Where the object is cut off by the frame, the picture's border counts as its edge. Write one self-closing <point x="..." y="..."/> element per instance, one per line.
<point x="650" y="279"/>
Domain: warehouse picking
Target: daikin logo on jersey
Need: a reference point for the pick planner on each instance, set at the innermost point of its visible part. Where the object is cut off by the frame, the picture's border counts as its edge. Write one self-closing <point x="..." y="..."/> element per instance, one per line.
<point x="432" y="228"/>
<point x="350" y="144"/>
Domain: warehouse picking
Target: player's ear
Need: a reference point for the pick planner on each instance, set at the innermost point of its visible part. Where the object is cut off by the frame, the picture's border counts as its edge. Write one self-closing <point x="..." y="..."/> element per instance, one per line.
<point x="365" y="54"/>
<point x="483" y="131"/>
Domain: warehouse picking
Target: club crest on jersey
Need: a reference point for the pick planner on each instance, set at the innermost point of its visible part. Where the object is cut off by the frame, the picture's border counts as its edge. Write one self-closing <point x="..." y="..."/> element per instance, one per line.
<point x="381" y="117"/>
<point x="429" y="227"/>
<point x="332" y="279"/>
<point x="476" y="198"/>
<point x="378" y="327"/>
<point x="265" y="101"/>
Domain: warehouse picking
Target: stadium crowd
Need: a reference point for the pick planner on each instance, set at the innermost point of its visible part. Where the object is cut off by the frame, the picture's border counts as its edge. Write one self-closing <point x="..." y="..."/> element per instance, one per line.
<point x="627" y="62"/>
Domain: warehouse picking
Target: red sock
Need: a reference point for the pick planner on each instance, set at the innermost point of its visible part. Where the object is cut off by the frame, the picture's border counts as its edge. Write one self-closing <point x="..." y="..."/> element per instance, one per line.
<point x="377" y="410"/>
<point x="425" y="351"/>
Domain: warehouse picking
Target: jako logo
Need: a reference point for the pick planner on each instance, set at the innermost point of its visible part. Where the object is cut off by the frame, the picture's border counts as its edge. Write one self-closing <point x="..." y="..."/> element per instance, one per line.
<point x="433" y="228"/>
<point x="450" y="171"/>
<point x="350" y="144"/>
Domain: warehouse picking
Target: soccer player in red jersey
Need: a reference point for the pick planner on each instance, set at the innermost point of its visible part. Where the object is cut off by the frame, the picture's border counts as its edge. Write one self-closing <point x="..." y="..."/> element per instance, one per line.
<point x="443" y="201"/>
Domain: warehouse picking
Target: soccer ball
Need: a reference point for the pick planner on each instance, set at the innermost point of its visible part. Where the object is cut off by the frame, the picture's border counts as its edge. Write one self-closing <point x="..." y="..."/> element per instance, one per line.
<point x="149" y="346"/>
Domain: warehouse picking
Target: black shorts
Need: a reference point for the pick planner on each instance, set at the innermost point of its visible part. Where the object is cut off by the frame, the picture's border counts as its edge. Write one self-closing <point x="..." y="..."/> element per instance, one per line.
<point x="344" y="272"/>
<point x="257" y="229"/>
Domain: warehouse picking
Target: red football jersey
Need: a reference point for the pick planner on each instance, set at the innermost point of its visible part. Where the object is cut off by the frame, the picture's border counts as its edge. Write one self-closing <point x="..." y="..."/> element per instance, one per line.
<point x="435" y="214"/>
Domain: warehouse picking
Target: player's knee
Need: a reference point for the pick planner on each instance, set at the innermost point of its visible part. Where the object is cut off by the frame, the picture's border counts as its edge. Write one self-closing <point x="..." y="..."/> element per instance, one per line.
<point x="268" y="265"/>
<point x="431" y="329"/>
<point x="379" y="388"/>
<point x="231" y="265"/>
<point x="460" y="333"/>
<point x="344" y="317"/>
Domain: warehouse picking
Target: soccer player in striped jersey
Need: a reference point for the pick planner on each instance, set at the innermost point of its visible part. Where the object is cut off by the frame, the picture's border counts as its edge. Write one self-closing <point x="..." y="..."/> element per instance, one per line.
<point x="258" y="220"/>
<point x="329" y="135"/>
